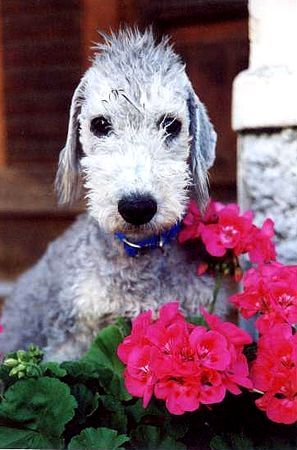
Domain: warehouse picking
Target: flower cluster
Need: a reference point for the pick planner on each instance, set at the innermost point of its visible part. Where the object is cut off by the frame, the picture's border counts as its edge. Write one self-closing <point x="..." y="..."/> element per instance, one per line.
<point x="275" y="374"/>
<point x="270" y="290"/>
<point x="183" y="364"/>
<point x="226" y="234"/>
<point x="221" y="235"/>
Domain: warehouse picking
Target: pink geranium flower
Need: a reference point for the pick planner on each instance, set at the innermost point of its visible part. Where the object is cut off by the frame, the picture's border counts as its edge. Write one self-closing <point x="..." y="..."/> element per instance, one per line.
<point x="230" y="232"/>
<point x="183" y="364"/>
<point x="275" y="374"/>
<point x="211" y="389"/>
<point x="279" y="407"/>
<point x="137" y="338"/>
<point x="210" y="348"/>
<point x="222" y="234"/>
<point x="191" y="222"/>
<point x="169" y="313"/>
<point x="139" y="377"/>
<point x="234" y="335"/>
<point x="174" y="350"/>
<point x="237" y="371"/>
<point x="237" y="374"/>
<point x="259" y="246"/>
<point x="271" y="291"/>
<point x="179" y="392"/>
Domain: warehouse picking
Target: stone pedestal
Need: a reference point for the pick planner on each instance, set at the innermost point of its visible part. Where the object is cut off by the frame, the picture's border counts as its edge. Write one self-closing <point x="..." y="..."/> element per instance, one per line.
<point x="265" y="117"/>
<point x="267" y="183"/>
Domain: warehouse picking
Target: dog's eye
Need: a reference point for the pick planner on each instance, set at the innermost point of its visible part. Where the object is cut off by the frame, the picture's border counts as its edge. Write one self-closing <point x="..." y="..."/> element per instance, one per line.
<point x="101" y="126"/>
<point x="171" y="125"/>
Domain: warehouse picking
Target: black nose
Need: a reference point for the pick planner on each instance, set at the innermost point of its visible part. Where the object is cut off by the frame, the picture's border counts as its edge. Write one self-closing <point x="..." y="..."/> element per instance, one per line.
<point x="137" y="209"/>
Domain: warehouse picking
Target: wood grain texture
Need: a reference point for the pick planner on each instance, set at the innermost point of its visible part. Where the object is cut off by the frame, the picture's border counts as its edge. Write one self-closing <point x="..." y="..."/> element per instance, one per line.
<point x="28" y="190"/>
<point x="42" y="65"/>
<point x="2" y="101"/>
<point x="106" y="16"/>
<point x="176" y="12"/>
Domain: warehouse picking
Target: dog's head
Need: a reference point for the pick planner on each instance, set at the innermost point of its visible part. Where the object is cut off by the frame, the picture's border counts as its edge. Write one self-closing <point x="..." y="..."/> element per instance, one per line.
<point x="138" y="135"/>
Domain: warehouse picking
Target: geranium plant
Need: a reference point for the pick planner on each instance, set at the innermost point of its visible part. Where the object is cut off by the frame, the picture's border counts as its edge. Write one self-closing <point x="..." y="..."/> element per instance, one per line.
<point x="270" y="292"/>
<point x="167" y="381"/>
<point x="222" y="234"/>
<point x="184" y="364"/>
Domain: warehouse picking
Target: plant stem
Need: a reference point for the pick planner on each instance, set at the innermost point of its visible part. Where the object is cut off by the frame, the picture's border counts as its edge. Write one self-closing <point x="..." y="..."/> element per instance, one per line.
<point x="217" y="287"/>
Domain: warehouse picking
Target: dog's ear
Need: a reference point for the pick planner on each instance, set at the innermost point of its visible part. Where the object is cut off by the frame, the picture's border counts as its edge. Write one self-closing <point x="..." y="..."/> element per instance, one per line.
<point x="203" y="144"/>
<point x="67" y="182"/>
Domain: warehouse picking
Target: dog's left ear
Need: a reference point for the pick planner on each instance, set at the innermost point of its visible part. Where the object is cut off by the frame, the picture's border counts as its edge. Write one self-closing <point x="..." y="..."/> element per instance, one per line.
<point x="203" y="144"/>
<point x="67" y="182"/>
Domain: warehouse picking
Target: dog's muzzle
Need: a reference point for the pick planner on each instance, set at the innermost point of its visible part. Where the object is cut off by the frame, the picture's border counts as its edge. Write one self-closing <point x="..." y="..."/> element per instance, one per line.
<point x="137" y="209"/>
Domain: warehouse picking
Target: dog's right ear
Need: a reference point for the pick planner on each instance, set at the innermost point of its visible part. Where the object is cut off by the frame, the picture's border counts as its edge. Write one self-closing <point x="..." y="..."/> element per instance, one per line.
<point x="67" y="182"/>
<point x="202" y="146"/>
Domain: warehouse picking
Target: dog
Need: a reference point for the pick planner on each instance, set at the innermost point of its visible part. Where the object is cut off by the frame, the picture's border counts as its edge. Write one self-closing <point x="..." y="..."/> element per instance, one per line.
<point x="140" y="143"/>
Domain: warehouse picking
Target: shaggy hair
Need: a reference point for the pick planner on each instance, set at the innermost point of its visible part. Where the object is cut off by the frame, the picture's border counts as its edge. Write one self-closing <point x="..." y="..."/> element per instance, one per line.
<point x="85" y="278"/>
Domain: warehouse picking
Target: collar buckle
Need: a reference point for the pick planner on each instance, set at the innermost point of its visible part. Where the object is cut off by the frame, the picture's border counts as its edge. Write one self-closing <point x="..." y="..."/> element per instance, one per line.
<point x="152" y="242"/>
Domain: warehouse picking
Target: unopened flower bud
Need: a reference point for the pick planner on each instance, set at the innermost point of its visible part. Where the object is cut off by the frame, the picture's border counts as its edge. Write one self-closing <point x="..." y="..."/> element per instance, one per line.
<point x="14" y="371"/>
<point x="20" y="368"/>
<point x="21" y="354"/>
<point x="238" y="273"/>
<point x="10" y="362"/>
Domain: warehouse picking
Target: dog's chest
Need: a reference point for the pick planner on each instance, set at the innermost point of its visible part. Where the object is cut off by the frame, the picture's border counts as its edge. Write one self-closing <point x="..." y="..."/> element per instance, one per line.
<point x="135" y="284"/>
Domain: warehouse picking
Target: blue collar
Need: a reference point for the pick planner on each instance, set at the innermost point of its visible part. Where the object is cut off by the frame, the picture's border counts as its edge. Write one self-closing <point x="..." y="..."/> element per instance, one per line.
<point x="135" y="248"/>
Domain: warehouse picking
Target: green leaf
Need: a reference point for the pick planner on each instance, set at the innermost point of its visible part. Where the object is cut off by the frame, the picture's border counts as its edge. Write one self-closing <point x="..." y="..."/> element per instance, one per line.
<point x="113" y="384"/>
<point x="218" y="443"/>
<point x="52" y="369"/>
<point x="43" y="404"/>
<point x="104" y="347"/>
<point x="138" y="412"/>
<point x="102" y="355"/>
<point x="231" y="441"/>
<point x="81" y="370"/>
<point x="241" y="442"/>
<point x="151" y="438"/>
<point x="196" y="320"/>
<point x="113" y="414"/>
<point x="98" y="438"/>
<point x="15" y="438"/>
<point x="87" y="402"/>
<point x="85" y="370"/>
<point x="176" y="427"/>
<point x="5" y="378"/>
<point x="124" y="326"/>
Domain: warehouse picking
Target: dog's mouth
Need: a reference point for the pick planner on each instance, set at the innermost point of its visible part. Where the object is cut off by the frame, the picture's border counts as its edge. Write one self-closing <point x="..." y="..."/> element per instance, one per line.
<point x="138" y="230"/>
<point x="141" y="231"/>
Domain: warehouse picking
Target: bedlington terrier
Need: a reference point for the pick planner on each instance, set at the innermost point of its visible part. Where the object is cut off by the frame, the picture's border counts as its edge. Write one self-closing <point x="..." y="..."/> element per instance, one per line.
<point x="140" y="142"/>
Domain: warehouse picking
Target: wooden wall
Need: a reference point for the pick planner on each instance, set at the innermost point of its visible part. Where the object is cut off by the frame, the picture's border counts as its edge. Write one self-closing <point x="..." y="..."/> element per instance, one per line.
<point x="41" y="64"/>
<point x="45" y="48"/>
